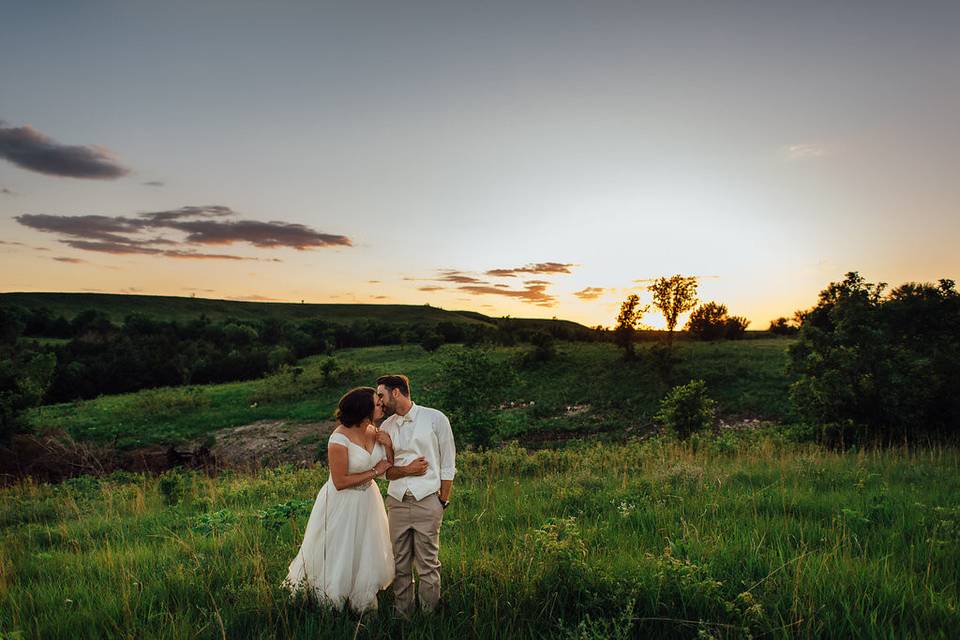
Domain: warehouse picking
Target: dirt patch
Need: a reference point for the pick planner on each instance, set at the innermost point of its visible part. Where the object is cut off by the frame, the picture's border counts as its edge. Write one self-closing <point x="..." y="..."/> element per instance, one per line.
<point x="53" y="455"/>
<point x="268" y="443"/>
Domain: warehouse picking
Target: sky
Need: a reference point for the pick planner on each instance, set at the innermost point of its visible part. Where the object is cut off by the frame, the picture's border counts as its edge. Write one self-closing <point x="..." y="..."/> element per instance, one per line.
<point x="522" y="158"/>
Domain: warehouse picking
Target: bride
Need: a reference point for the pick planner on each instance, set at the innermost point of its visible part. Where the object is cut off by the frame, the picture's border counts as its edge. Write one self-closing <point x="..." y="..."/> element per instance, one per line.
<point x="346" y="555"/>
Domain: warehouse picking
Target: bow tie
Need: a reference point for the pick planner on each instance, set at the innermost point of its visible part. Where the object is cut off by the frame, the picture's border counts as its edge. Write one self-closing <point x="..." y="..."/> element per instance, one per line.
<point x="402" y="419"/>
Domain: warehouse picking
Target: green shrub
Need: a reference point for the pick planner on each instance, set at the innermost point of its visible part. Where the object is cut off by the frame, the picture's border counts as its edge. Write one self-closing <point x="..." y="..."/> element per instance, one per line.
<point x="687" y="409"/>
<point x="471" y="385"/>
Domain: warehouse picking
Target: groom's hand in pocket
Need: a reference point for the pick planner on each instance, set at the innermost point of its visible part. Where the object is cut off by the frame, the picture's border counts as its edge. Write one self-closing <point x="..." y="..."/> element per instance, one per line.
<point x="418" y="467"/>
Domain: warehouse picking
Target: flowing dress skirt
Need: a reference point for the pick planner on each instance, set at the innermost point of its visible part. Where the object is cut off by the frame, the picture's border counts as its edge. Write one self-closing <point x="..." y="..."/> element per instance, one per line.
<point x="346" y="555"/>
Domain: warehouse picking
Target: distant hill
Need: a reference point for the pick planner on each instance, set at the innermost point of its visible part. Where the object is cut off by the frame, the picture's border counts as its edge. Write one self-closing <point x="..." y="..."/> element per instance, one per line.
<point x="118" y="306"/>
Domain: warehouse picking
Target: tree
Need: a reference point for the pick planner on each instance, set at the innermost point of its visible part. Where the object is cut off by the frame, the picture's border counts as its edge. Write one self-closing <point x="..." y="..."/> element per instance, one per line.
<point x="708" y="321"/>
<point x="674" y="296"/>
<point x="627" y="322"/>
<point x="783" y="327"/>
<point x="735" y="327"/>
<point x="880" y="367"/>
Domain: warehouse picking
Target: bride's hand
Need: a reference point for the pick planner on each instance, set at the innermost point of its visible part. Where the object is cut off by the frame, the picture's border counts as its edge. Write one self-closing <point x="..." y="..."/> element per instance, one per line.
<point x="383" y="438"/>
<point x="381" y="467"/>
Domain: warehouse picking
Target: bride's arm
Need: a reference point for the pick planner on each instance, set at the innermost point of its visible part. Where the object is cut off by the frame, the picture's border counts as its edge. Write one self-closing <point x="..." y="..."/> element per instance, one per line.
<point x="338" y="459"/>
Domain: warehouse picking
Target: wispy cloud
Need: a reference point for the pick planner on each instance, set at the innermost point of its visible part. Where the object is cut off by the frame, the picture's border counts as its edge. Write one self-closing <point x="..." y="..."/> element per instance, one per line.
<point x="7" y="192"/>
<point x="154" y="183"/>
<point x="458" y="277"/>
<point x="429" y="288"/>
<point x="536" y="268"/>
<point x="803" y="151"/>
<point x="12" y="244"/>
<point x="31" y="150"/>
<point x="590" y="293"/>
<point x="534" y="294"/>
<point x="70" y="260"/>
<point x="201" y="225"/>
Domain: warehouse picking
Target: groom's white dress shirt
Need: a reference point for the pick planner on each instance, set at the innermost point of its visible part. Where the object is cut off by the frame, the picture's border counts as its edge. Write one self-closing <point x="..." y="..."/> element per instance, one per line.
<point x="421" y="432"/>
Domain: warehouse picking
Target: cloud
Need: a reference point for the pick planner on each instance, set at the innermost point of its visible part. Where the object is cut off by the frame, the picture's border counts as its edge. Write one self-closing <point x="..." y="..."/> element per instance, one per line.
<point x="458" y="277"/>
<point x="373" y="281"/>
<point x="259" y="234"/>
<point x="12" y="244"/>
<point x="803" y="151"/>
<point x="201" y="225"/>
<point x="7" y="192"/>
<point x="590" y="293"/>
<point x="207" y="211"/>
<point x="429" y="288"/>
<point x="536" y="282"/>
<point x="154" y="183"/>
<point x="536" y="268"/>
<point x="31" y="150"/>
<point x="197" y="290"/>
<point x="379" y="297"/>
<point x="70" y="260"/>
<point x="534" y="294"/>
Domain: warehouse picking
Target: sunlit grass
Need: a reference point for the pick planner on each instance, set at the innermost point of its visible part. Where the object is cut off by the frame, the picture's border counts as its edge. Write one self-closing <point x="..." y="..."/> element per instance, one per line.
<point x="654" y="540"/>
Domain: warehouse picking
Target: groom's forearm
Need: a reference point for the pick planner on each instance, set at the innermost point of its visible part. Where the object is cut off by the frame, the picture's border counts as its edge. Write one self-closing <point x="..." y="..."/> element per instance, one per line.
<point x="395" y="472"/>
<point x="445" y="487"/>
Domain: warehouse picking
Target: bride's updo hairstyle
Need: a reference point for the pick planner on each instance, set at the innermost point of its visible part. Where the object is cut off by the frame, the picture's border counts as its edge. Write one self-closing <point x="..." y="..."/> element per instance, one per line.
<point x="356" y="406"/>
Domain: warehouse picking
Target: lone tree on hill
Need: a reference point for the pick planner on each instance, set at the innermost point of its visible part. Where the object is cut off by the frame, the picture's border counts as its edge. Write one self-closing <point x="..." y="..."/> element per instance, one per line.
<point x="627" y="322"/>
<point x="674" y="296"/>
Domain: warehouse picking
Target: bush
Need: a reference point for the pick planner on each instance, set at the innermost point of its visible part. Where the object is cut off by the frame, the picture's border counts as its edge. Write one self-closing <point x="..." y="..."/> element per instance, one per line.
<point x="782" y="327"/>
<point x="874" y="366"/>
<point x="470" y="391"/>
<point x="710" y="321"/>
<point x="431" y="342"/>
<point x="687" y="409"/>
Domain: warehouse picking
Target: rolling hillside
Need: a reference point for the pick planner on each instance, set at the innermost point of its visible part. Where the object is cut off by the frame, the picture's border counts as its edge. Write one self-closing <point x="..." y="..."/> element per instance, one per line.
<point x="118" y="306"/>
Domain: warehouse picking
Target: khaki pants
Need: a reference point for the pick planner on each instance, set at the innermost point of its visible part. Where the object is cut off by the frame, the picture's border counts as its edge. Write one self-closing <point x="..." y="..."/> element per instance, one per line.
<point x="415" y="532"/>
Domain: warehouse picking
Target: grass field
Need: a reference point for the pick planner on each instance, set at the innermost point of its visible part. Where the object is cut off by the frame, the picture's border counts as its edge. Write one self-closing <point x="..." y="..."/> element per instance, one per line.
<point x="741" y="536"/>
<point x="747" y="378"/>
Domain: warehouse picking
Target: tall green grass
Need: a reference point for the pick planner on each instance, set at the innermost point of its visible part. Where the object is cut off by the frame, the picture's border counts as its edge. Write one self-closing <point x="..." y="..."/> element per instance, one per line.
<point x="734" y="537"/>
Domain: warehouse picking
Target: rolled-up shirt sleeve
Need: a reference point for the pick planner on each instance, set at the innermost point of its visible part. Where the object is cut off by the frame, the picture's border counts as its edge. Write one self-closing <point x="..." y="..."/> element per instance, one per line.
<point x="448" y="450"/>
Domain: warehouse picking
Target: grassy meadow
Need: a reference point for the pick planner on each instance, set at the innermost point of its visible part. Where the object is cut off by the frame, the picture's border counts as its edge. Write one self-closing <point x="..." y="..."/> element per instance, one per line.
<point x="740" y="535"/>
<point x="747" y="378"/>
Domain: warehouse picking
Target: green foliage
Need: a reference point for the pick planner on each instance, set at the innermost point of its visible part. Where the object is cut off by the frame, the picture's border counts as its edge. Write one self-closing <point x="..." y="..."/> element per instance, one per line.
<point x="472" y="382"/>
<point x="24" y="379"/>
<point x="687" y="409"/>
<point x="174" y="487"/>
<point x="280" y="515"/>
<point x="878" y="366"/>
<point x="431" y="342"/>
<point x="217" y="522"/>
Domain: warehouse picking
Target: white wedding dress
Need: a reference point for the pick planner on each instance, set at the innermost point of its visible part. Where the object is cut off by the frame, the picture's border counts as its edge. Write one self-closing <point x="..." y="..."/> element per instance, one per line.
<point x="346" y="555"/>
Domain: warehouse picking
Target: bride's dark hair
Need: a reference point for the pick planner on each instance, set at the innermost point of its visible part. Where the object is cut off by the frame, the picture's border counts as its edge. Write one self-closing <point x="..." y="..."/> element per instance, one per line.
<point x="355" y="406"/>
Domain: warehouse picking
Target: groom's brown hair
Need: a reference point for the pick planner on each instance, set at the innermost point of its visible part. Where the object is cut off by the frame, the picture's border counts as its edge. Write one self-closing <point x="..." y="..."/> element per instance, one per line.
<point x="396" y="381"/>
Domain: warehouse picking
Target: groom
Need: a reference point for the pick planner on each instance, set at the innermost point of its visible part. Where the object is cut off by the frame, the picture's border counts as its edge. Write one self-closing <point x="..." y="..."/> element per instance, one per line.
<point x="420" y="481"/>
